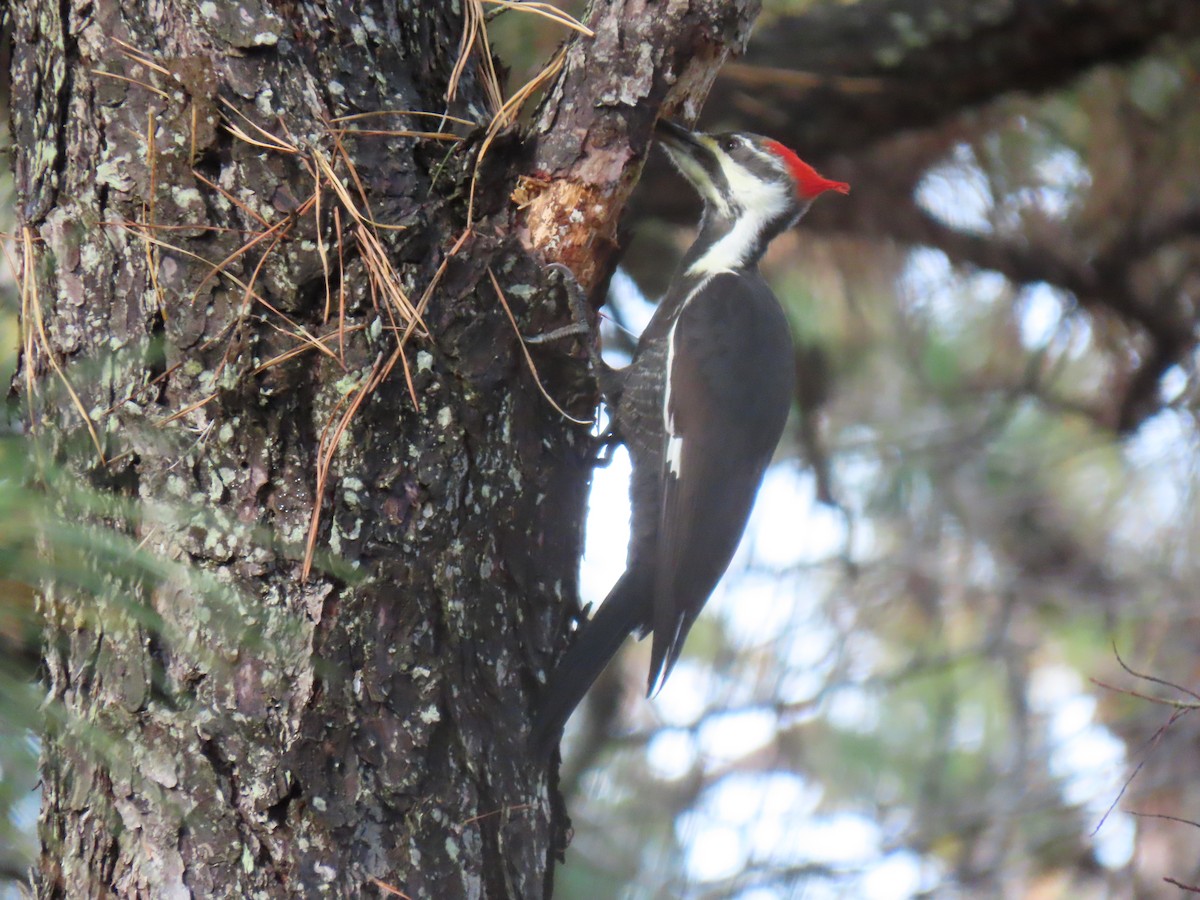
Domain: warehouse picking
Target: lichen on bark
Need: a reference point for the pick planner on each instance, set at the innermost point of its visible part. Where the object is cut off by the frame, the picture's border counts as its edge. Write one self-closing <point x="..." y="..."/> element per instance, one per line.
<point x="207" y="236"/>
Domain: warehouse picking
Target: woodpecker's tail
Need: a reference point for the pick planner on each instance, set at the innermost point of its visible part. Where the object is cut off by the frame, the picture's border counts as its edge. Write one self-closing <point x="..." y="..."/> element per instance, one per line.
<point x="596" y="644"/>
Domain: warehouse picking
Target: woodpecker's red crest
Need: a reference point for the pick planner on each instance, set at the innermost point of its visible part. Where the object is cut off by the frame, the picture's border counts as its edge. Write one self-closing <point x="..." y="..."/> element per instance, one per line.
<point x="809" y="182"/>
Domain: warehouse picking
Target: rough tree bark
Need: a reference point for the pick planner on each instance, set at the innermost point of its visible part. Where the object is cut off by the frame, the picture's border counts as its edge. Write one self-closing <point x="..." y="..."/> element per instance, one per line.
<point x="221" y="275"/>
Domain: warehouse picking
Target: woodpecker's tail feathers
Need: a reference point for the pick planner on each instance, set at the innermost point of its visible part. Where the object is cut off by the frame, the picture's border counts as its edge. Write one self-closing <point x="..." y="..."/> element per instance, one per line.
<point x="595" y="646"/>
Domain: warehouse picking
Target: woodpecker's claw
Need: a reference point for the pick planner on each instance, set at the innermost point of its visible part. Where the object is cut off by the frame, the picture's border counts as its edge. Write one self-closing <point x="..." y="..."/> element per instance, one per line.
<point x="578" y="306"/>
<point x="605" y="444"/>
<point x="557" y="334"/>
<point x="576" y="298"/>
<point x="611" y="380"/>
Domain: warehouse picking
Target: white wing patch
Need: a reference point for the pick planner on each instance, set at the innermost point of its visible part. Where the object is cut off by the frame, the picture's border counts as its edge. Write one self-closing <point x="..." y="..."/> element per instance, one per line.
<point x="674" y="441"/>
<point x="761" y="202"/>
<point x="674" y="449"/>
<point x="674" y="454"/>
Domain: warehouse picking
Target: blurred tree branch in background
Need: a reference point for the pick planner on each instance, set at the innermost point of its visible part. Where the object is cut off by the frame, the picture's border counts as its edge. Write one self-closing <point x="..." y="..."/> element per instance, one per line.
<point x="839" y="77"/>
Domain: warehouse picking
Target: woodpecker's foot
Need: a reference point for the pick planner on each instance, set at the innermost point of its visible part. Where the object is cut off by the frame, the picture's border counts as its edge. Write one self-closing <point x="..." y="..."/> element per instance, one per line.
<point x="557" y="334"/>
<point x="610" y="381"/>
<point x="604" y="445"/>
<point x="577" y="303"/>
<point x="576" y="299"/>
<point x="581" y="615"/>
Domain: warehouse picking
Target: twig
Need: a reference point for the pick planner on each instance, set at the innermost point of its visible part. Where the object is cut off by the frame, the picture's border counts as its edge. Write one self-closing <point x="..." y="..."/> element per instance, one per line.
<point x="1179" y="884"/>
<point x="546" y="11"/>
<point x="1153" y="679"/>
<point x="1168" y="818"/>
<point x="529" y="358"/>
<point x="388" y="889"/>
<point x="1154" y="740"/>
<point x="1162" y="701"/>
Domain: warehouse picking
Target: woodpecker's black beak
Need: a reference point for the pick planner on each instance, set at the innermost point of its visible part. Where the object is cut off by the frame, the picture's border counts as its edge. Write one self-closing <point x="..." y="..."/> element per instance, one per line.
<point x="692" y="154"/>
<point x="675" y="135"/>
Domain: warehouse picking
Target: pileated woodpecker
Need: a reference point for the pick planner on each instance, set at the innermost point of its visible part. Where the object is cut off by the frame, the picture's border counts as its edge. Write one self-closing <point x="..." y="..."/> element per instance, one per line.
<point x="701" y="408"/>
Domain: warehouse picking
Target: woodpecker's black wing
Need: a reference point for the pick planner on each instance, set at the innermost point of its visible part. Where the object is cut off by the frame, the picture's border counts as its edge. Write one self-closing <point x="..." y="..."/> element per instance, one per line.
<point x="730" y="380"/>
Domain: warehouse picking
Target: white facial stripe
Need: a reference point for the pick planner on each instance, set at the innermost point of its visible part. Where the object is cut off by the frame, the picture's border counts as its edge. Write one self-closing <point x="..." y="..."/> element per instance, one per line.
<point x="762" y="202"/>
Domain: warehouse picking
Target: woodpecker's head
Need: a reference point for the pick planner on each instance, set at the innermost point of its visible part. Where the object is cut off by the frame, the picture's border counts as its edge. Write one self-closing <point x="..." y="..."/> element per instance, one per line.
<point x="753" y="188"/>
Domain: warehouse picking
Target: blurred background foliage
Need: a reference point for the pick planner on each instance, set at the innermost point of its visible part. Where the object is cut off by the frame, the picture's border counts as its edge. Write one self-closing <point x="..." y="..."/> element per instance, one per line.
<point x="919" y="687"/>
<point x="920" y="677"/>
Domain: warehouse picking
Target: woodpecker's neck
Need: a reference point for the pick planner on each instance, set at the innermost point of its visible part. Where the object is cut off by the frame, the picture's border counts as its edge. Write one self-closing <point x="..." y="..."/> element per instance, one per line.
<point x="733" y="238"/>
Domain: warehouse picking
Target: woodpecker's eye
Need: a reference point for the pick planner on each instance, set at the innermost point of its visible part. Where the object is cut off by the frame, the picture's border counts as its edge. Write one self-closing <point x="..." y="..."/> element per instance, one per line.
<point x="729" y="144"/>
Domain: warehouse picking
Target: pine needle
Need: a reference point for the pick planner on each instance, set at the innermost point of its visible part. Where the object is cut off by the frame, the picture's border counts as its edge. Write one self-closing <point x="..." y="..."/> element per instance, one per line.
<point x="546" y="11"/>
<point x="134" y="81"/>
<point x="529" y="358"/>
<point x="31" y="302"/>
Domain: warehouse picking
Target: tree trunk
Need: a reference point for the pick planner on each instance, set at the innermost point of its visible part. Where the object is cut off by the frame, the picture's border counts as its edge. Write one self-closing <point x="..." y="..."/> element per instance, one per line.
<point x="289" y="343"/>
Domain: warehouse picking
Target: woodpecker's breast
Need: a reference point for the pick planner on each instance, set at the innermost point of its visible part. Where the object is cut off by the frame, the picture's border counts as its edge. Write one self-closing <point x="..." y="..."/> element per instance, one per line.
<point x="743" y="356"/>
<point x="747" y="364"/>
